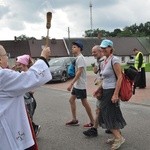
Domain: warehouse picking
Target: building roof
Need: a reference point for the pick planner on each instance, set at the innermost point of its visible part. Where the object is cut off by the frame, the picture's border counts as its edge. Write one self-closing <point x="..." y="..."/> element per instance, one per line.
<point x="62" y="47"/>
<point x="88" y="43"/>
<point x="145" y="41"/>
<point x="58" y="48"/>
<point x="34" y="47"/>
<point x="16" y="48"/>
<point x="124" y="45"/>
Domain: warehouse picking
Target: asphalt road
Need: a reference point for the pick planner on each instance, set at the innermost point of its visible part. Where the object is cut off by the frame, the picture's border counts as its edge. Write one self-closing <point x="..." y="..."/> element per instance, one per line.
<point x="53" y="111"/>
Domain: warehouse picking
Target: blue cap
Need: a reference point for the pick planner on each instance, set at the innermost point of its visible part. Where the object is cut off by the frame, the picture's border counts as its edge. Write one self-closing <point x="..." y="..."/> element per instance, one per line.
<point x="106" y="43"/>
<point x="78" y="43"/>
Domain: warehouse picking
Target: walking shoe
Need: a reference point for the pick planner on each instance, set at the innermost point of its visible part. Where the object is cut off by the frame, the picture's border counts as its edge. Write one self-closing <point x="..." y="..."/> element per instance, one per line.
<point x="110" y="141"/>
<point x="91" y="132"/>
<point x="72" y="123"/>
<point x="108" y="131"/>
<point x="117" y="143"/>
<point x="89" y="125"/>
<point x="37" y="130"/>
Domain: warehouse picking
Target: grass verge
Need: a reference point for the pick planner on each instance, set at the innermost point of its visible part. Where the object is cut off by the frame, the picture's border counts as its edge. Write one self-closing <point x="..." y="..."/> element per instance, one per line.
<point x="147" y="68"/>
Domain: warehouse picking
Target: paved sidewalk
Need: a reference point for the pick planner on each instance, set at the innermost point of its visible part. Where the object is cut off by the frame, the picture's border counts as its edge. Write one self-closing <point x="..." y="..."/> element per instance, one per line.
<point x="142" y="96"/>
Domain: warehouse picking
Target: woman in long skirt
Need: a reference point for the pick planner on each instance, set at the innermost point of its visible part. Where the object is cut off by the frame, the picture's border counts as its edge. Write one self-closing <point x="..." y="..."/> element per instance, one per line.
<point x="111" y="117"/>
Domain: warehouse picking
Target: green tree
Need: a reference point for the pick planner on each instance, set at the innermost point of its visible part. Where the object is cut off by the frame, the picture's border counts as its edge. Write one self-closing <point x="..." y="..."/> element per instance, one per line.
<point x="128" y="31"/>
<point x="116" y="32"/>
<point x="23" y="37"/>
<point x="125" y="33"/>
<point x="95" y="32"/>
<point x="147" y="28"/>
<point x="133" y="29"/>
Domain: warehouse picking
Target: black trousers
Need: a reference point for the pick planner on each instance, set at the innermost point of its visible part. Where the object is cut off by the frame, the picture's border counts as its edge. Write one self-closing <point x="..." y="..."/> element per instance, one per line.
<point x="140" y="79"/>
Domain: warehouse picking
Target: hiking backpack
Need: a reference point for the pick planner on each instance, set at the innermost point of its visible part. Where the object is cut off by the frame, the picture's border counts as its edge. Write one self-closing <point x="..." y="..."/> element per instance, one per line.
<point x="127" y="85"/>
<point x="71" y="69"/>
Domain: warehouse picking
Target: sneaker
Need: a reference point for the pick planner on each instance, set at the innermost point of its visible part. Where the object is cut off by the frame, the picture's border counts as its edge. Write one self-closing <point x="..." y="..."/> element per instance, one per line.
<point x="117" y="143"/>
<point x="91" y="132"/>
<point x="108" y="131"/>
<point x="73" y="123"/>
<point x="37" y="130"/>
<point x="89" y="125"/>
<point x="110" y="141"/>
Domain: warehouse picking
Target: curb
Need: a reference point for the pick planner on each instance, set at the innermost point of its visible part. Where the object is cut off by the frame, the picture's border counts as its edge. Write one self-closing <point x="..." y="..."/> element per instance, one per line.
<point x="89" y="97"/>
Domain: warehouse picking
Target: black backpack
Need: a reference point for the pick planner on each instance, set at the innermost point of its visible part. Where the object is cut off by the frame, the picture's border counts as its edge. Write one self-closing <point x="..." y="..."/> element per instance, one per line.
<point x="131" y="72"/>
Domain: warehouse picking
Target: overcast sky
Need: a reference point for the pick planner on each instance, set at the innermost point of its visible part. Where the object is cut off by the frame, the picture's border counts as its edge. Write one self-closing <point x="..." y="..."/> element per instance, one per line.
<point x="29" y="16"/>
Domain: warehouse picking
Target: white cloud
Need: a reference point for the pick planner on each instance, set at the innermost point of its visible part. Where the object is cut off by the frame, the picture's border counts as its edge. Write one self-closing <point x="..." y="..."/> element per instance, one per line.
<point x="29" y="17"/>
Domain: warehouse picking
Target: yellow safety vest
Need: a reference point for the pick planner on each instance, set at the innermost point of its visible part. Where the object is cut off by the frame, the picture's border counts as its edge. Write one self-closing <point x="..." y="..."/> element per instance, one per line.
<point x="137" y="61"/>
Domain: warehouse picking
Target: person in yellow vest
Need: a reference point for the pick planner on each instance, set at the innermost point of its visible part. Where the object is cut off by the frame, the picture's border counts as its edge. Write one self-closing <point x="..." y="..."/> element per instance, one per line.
<point x="140" y="80"/>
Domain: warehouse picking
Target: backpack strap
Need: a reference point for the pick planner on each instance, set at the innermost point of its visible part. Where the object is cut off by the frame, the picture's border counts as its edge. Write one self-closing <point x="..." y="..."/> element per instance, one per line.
<point x="116" y="77"/>
<point x="113" y="67"/>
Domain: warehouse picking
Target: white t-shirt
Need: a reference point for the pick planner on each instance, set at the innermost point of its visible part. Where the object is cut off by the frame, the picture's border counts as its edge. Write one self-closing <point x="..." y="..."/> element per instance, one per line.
<point x="99" y="64"/>
<point x="81" y="82"/>
<point x="109" y="78"/>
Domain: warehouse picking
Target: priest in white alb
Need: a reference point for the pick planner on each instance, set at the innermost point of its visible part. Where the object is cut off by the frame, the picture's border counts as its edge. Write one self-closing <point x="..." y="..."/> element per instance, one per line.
<point x="15" y="131"/>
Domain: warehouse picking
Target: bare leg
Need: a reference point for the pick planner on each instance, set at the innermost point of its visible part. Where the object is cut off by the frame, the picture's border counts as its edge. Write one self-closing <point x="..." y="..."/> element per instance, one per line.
<point x="73" y="106"/>
<point x="96" y="118"/>
<point x="88" y="109"/>
<point x="116" y="133"/>
<point x="118" y="140"/>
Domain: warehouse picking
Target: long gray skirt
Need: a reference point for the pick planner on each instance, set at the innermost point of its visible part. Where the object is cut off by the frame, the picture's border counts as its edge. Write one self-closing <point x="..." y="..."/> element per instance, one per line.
<point x="110" y="116"/>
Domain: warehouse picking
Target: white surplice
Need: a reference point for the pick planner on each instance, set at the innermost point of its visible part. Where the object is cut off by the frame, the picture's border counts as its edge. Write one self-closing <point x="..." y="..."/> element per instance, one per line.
<point x="15" y="132"/>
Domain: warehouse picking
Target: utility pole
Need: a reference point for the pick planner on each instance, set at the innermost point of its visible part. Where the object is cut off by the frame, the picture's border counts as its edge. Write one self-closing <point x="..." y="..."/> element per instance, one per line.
<point x="68" y="33"/>
<point x="91" y="19"/>
<point x="69" y="39"/>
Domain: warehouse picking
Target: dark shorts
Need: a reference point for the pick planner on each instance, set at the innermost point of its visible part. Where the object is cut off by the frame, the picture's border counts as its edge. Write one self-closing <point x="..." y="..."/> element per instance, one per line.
<point x="79" y="93"/>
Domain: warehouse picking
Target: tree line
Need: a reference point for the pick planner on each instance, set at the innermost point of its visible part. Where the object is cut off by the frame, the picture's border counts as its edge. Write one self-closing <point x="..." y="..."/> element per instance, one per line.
<point x="143" y="29"/>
